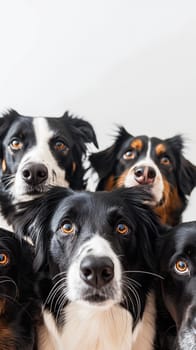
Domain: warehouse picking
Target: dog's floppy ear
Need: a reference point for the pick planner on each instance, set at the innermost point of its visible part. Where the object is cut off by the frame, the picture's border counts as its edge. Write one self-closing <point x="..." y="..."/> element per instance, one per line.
<point x="103" y="162"/>
<point x="81" y="130"/>
<point x="5" y="120"/>
<point x="32" y="219"/>
<point x="186" y="171"/>
<point x="187" y="176"/>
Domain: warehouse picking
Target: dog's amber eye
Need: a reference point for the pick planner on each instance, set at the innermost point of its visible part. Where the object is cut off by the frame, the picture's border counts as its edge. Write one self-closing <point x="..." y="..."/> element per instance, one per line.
<point x="68" y="227"/>
<point x="60" y="146"/>
<point x="130" y="154"/>
<point x="181" y="267"/>
<point x="122" y="229"/>
<point x="16" y="145"/>
<point x="3" y="259"/>
<point x="165" y="160"/>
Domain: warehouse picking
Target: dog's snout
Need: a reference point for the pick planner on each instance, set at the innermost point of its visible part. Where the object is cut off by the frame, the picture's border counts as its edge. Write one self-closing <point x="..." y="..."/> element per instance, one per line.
<point x="34" y="174"/>
<point x="96" y="271"/>
<point x="144" y="174"/>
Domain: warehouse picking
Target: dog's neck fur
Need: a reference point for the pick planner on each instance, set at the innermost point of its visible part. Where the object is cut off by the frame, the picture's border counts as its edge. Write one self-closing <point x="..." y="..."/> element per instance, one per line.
<point x="89" y="328"/>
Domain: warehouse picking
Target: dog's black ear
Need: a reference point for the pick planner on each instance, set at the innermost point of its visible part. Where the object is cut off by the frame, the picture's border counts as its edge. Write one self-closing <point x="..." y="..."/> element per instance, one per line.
<point x="32" y="219"/>
<point x="81" y="130"/>
<point x="186" y="172"/>
<point x="103" y="162"/>
<point x="187" y="176"/>
<point x="5" y="120"/>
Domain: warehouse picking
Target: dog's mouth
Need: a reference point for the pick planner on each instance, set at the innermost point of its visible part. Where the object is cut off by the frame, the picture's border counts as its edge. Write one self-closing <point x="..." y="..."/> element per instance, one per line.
<point x="34" y="191"/>
<point x="97" y="298"/>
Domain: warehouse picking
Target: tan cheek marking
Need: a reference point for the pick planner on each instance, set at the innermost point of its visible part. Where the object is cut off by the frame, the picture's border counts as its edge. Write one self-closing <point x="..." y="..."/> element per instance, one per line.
<point x="109" y="185"/>
<point x="160" y="149"/>
<point x="73" y="167"/>
<point x="2" y="307"/>
<point x="137" y="144"/>
<point x="172" y="204"/>
<point x="7" y="338"/>
<point x="3" y="164"/>
<point x="121" y="179"/>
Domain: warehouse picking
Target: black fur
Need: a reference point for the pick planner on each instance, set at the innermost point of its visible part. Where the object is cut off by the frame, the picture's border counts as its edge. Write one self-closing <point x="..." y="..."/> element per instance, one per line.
<point x="20" y="312"/>
<point x="177" y="316"/>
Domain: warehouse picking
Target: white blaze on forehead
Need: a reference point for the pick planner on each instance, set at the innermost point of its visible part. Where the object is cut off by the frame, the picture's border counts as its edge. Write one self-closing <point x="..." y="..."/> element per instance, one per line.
<point x="157" y="185"/>
<point x="42" y="131"/>
<point x="148" y="149"/>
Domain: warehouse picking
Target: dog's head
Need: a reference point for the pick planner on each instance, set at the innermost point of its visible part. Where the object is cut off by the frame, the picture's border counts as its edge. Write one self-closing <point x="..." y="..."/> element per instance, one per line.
<point x="16" y="271"/>
<point x="99" y="247"/>
<point x="133" y="161"/>
<point x="38" y="152"/>
<point x="177" y="255"/>
<point x="20" y="308"/>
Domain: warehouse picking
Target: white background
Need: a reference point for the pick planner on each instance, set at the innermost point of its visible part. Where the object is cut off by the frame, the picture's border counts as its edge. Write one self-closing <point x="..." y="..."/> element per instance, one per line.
<point x="110" y="61"/>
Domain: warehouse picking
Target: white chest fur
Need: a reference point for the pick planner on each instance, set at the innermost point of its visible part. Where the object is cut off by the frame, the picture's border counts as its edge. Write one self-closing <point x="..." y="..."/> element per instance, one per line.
<point x="88" y="328"/>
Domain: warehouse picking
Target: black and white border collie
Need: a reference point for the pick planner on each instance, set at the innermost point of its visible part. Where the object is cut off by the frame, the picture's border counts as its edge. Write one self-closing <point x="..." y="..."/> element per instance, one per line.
<point x="95" y="253"/>
<point x="142" y="160"/>
<point x="36" y="152"/>
<point x="177" y="256"/>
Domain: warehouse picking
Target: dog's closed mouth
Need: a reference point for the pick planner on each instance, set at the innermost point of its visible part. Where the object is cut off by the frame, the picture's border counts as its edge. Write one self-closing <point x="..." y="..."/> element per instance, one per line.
<point x="95" y="298"/>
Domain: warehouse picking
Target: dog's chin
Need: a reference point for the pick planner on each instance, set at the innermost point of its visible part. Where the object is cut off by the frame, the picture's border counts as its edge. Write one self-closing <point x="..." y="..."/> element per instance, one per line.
<point x="30" y="192"/>
<point x="97" y="301"/>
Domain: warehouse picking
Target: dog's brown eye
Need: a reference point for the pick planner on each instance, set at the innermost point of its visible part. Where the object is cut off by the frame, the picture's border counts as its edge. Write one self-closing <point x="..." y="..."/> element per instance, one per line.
<point x="165" y="160"/>
<point x="129" y="155"/>
<point x="3" y="259"/>
<point x="68" y="227"/>
<point x="16" y="145"/>
<point x="60" y="146"/>
<point x="181" y="267"/>
<point x="122" y="229"/>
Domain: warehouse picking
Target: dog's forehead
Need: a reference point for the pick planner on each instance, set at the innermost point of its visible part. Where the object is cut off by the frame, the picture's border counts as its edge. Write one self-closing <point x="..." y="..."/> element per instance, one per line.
<point x="19" y="125"/>
<point x="146" y="145"/>
<point x="87" y="206"/>
<point x="180" y="241"/>
<point x="27" y="125"/>
<point x="60" y="127"/>
<point x="136" y="142"/>
<point x="159" y="146"/>
<point x="185" y="237"/>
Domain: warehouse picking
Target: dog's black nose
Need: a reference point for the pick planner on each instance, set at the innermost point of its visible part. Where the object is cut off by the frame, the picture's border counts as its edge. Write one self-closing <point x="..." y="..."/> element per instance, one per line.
<point x="96" y="271"/>
<point x="34" y="174"/>
<point x="144" y="174"/>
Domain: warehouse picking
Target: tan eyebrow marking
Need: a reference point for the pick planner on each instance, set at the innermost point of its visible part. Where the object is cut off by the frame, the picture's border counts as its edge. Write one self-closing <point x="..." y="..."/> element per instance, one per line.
<point x="137" y="144"/>
<point x="160" y="149"/>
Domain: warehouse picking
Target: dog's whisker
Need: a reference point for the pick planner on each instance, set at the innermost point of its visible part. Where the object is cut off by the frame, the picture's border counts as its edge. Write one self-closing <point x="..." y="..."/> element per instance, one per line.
<point x="131" y="280"/>
<point x="61" y="291"/>
<point x="53" y="290"/>
<point x="6" y="279"/>
<point x="59" y="274"/>
<point x="137" y="299"/>
<point x="145" y="272"/>
<point x="60" y="308"/>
